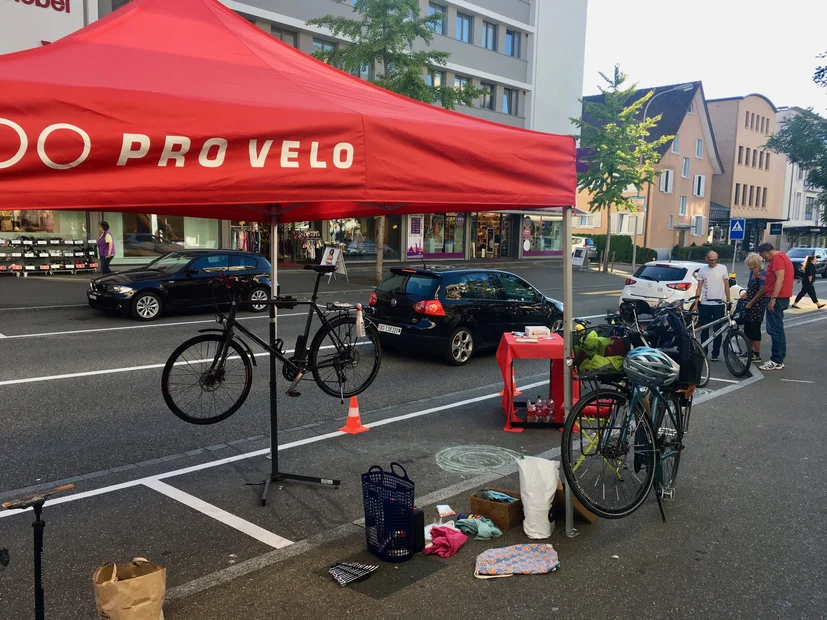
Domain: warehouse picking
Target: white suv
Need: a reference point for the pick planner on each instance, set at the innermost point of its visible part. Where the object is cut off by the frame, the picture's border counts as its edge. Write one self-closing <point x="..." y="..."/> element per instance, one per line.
<point x="659" y="281"/>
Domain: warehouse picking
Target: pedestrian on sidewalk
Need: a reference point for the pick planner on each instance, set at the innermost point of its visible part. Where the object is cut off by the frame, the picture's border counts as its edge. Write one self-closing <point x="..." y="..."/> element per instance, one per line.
<point x="808" y="276"/>
<point x="756" y="305"/>
<point x="713" y="289"/>
<point x="779" y="289"/>
<point x="106" y="246"/>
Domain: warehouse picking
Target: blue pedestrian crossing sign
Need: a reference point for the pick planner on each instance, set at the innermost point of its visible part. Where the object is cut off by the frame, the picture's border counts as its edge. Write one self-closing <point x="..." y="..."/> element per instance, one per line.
<point x="736" y="229"/>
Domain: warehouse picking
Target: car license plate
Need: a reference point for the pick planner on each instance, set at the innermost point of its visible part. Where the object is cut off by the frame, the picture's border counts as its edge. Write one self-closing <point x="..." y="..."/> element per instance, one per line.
<point x="390" y="329"/>
<point x="93" y="295"/>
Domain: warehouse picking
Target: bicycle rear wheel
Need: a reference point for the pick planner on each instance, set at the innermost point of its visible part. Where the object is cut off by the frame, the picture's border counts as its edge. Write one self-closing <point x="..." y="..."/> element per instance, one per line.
<point x="669" y="431"/>
<point x="696" y="347"/>
<point x="200" y="391"/>
<point x="342" y="363"/>
<point x="737" y="353"/>
<point x="609" y="453"/>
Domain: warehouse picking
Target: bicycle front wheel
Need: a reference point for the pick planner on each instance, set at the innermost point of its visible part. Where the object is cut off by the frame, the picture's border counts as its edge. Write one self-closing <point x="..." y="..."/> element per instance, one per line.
<point x="609" y="453"/>
<point x="344" y="364"/>
<point x="737" y="353"/>
<point x="669" y="431"/>
<point x="697" y="348"/>
<point x="201" y="388"/>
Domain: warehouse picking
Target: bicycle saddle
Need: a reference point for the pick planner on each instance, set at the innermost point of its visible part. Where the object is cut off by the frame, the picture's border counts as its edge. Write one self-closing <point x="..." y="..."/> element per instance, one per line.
<point x="322" y="268"/>
<point x="37" y="498"/>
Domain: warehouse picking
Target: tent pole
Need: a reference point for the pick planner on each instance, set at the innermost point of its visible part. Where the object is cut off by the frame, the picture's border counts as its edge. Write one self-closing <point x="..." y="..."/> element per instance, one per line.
<point x="568" y="314"/>
<point x="275" y="474"/>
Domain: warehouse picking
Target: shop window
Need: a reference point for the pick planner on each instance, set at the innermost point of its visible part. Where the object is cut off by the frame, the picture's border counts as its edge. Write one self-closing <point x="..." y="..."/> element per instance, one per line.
<point x="544" y="235"/>
<point x="436" y="235"/>
<point x="67" y="224"/>
<point x="356" y="237"/>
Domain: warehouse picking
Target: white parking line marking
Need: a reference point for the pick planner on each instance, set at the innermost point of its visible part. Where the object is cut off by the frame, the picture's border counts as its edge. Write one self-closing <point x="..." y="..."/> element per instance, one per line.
<point x="43" y="307"/>
<point x="125" y="327"/>
<point x="797" y="381"/>
<point x="263" y="451"/>
<point x="723" y="380"/>
<point x="802" y="322"/>
<point x="2" y="336"/>
<point x="229" y="519"/>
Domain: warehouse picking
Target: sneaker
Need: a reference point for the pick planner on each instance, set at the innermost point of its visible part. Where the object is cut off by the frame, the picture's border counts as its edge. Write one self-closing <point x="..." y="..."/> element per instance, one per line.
<point x="756" y="357"/>
<point x="771" y="366"/>
<point x="714" y="358"/>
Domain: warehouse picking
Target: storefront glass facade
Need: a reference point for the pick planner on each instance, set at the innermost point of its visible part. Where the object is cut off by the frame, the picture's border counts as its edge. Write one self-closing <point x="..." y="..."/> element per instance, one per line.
<point x="41" y="224"/>
<point x="439" y="235"/>
<point x="493" y="232"/>
<point x="543" y="235"/>
<point x="140" y="237"/>
<point x="356" y="237"/>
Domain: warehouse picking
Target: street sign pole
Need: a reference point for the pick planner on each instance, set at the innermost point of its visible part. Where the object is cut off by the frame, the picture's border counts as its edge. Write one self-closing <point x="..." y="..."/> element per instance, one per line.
<point x="735" y="254"/>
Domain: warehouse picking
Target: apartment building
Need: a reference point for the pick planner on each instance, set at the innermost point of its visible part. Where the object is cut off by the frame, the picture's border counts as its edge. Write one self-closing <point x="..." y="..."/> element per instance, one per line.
<point x="753" y="182"/>
<point x="675" y="209"/>
<point x="803" y="225"/>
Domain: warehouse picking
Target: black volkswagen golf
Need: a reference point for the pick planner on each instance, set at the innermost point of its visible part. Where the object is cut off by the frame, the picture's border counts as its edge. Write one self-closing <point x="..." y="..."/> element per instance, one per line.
<point x="456" y="312"/>
<point x="180" y="281"/>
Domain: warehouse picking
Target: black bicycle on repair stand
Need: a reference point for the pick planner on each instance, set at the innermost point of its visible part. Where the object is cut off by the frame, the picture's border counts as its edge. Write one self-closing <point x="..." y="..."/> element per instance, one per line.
<point x="208" y="377"/>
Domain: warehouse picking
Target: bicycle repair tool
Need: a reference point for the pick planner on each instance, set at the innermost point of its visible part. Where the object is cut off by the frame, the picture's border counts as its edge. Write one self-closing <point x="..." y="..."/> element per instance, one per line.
<point x="349" y="572"/>
<point x="35" y="502"/>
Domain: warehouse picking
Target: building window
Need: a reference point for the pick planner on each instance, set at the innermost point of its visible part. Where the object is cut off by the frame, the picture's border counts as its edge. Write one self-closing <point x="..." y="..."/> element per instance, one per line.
<point x="751" y="193"/>
<point x="737" y="193"/>
<point x="464" y="27"/>
<point x="437" y="9"/>
<point x="489" y="33"/>
<point x="699" y="186"/>
<point x="460" y="83"/>
<point x="676" y="143"/>
<point x="764" y="199"/>
<point x="691" y="108"/>
<point x="800" y="173"/>
<point x="671" y="222"/>
<point x="797" y="206"/>
<point x="685" y="168"/>
<point x="512" y="43"/>
<point x="698" y="226"/>
<point x="699" y="148"/>
<point x="289" y="37"/>
<point x="510" y="101"/>
<point x="761" y="159"/>
<point x="754" y="157"/>
<point x="320" y="45"/>
<point x="746" y="121"/>
<point x="682" y="208"/>
<point x="752" y="121"/>
<point x="667" y="178"/>
<point x="435" y="79"/>
<point x="808" y="207"/>
<point x="746" y="161"/>
<point x="767" y="162"/>
<point x="487" y="99"/>
<point x="740" y="154"/>
<point x="365" y="72"/>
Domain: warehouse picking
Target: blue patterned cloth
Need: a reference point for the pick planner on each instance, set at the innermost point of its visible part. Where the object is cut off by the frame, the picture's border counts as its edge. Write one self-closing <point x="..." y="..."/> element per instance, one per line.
<point x="526" y="559"/>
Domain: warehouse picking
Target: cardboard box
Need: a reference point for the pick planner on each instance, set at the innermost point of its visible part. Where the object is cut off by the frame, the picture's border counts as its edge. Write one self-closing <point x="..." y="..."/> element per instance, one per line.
<point x="559" y="506"/>
<point x="504" y="516"/>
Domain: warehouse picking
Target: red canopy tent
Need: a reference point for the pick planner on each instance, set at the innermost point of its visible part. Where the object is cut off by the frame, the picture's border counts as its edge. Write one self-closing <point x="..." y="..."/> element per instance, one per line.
<point x="184" y="107"/>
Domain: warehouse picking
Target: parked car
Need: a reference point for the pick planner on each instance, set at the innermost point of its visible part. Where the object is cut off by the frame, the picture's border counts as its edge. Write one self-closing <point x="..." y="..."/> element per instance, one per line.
<point x="797" y="256"/>
<point x="457" y="312"/>
<point x="180" y="281"/>
<point x="584" y="242"/>
<point x="666" y="281"/>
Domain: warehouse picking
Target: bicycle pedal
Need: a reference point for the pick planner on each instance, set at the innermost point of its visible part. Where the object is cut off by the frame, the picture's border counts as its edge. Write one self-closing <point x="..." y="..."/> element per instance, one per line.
<point x="667" y="493"/>
<point x="293" y="393"/>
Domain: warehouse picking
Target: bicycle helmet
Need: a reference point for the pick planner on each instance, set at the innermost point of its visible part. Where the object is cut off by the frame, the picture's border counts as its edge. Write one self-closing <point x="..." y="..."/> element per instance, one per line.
<point x="650" y="367"/>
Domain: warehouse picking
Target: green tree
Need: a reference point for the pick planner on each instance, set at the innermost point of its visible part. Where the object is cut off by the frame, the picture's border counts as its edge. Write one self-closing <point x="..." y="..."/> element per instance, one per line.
<point x="803" y="140"/>
<point x="616" y="148"/>
<point x="381" y="41"/>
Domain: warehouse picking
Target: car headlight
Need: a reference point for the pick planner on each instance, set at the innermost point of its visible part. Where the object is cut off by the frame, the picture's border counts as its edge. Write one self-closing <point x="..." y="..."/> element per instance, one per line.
<point x="123" y="290"/>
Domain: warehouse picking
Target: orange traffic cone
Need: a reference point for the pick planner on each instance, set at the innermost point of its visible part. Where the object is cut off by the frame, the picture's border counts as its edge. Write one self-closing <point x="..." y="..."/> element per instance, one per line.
<point x="514" y="390"/>
<point x="354" y="420"/>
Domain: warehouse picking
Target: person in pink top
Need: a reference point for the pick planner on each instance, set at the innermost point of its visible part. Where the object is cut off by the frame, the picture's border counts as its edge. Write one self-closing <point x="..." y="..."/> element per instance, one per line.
<point x="779" y="289"/>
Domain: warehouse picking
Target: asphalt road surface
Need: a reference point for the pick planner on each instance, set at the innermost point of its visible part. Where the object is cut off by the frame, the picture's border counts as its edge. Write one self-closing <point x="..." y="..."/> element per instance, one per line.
<point x="80" y="402"/>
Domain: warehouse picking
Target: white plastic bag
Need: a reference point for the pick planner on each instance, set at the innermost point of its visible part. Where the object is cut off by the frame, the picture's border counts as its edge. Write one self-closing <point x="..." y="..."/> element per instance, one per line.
<point x="538" y="483"/>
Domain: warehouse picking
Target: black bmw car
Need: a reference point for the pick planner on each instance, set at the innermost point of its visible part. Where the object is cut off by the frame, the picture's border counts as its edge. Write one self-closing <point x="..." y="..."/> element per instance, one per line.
<point x="180" y="281"/>
<point x="457" y="312"/>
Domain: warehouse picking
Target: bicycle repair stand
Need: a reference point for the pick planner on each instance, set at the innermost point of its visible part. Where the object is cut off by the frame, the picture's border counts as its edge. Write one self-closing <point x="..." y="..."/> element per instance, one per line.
<point x="35" y="502"/>
<point x="275" y="474"/>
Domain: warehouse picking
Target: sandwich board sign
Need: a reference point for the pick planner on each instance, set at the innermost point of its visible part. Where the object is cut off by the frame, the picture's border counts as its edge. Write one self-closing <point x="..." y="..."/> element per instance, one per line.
<point x="736" y="229"/>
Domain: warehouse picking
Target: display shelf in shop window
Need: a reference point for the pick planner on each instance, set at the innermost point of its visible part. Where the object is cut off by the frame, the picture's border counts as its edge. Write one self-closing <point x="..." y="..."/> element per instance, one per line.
<point x="24" y="256"/>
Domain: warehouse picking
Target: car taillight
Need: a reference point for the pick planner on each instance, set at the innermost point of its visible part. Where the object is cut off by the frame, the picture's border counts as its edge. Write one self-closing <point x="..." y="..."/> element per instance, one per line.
<point x="373" y="299"/>
<point x="430" y="307"/>
<point x="630" y="281"/>
<point x="680" y="286"/>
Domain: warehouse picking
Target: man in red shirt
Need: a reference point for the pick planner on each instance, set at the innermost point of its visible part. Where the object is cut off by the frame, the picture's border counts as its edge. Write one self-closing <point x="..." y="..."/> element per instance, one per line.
<point x="779" y="286"/>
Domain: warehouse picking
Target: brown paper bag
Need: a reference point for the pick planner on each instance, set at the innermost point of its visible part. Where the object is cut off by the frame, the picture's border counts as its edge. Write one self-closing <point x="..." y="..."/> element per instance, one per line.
<point x="131" y="591"/>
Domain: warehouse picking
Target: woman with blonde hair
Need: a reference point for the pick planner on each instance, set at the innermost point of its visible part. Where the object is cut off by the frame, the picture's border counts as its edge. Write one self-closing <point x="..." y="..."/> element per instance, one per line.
<point x="756" y="303"/>
<point x="808" y="276"/>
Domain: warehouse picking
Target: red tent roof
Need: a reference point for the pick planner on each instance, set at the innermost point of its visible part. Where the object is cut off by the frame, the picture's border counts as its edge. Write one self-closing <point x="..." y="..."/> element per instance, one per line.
<point x="183" y="107"/>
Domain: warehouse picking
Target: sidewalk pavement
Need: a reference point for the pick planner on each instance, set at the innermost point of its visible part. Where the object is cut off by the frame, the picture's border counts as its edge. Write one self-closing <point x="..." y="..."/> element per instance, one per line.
<point x="744" y="536"/>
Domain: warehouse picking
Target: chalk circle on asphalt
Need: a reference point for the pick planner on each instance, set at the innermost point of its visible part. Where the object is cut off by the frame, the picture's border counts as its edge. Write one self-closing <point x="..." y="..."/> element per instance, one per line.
<point x="475" y="459"/>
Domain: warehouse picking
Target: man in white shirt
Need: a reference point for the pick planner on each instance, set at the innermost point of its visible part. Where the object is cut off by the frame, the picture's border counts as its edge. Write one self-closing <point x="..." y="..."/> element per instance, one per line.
<point x="713" y="289"/>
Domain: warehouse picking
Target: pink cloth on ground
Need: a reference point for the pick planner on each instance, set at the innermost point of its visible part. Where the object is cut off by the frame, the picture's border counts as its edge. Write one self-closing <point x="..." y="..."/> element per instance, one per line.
<point x="447" y="541"/>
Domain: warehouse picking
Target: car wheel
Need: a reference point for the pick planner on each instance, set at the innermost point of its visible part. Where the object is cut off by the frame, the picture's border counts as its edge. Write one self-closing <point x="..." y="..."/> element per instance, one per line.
<point x="460" y="347"/>
<point x="556" y="325"/>
<point x="259" y="294"/>
<point x="146" y="307"/>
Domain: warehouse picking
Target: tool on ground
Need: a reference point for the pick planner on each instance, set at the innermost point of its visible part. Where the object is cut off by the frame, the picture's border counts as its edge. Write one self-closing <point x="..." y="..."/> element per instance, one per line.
<point x="349" y="572"/>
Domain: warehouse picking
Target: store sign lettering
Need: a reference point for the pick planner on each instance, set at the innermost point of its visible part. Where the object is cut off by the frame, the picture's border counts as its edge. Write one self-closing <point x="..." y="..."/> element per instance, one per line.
<point x="178" y="151"/>
<point x="61" y="6"/>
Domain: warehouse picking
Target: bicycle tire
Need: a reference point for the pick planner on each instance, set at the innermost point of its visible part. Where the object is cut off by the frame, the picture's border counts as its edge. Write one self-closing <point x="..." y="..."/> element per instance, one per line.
<point x="200" y="352"/>
<point x="737" y="353"/>
<point x="697" y="348"/>
<point x="328" y="378"/>
<point x="594" y="491"/>
<point x="670" y="432"/>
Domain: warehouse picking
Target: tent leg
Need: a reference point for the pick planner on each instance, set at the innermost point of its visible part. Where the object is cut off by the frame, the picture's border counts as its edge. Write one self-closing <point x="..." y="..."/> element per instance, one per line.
<point x="568" y="314"/>
<point x="275" y="474"/>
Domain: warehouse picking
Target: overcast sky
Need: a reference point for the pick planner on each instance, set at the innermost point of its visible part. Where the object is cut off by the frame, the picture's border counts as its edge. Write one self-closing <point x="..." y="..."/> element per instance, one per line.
<point x="735" y="47"/>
